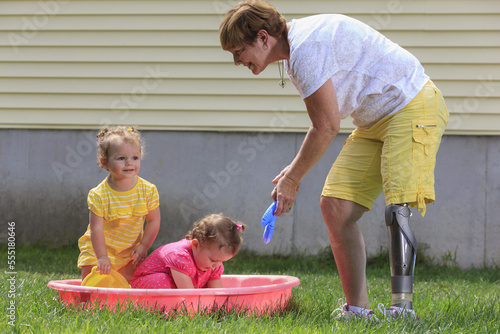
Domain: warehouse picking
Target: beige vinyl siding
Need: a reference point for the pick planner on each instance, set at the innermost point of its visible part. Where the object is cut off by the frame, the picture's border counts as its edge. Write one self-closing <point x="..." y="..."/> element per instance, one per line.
<point x="158" y="64"/>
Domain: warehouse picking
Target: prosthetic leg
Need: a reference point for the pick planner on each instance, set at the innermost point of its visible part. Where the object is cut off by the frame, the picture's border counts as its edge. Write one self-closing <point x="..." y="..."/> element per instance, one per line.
<point x="402" y="253"/>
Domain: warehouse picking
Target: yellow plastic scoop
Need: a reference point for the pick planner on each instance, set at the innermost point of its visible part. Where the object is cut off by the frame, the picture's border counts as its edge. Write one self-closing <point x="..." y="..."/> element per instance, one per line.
<point x="113" y="280"/>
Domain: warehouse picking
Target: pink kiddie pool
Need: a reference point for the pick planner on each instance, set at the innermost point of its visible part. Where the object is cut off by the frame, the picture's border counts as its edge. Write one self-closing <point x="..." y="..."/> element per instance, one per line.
<point x="256" y="294"/>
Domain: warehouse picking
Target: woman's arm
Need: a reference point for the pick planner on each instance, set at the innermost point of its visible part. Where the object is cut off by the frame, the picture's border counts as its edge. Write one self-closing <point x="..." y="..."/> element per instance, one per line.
<point x="99" y="243"/>
<point x="140" y="252"/>
<point x="323" y="111"/>
<point x="182" y="281"/>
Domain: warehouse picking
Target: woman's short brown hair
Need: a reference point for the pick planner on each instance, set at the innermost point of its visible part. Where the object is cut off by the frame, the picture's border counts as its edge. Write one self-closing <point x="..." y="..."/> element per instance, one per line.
<point x="242" y="23"/>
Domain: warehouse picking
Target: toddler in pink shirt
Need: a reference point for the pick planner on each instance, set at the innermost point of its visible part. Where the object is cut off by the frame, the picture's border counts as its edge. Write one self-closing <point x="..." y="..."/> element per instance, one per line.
<point x="193" y="262"/>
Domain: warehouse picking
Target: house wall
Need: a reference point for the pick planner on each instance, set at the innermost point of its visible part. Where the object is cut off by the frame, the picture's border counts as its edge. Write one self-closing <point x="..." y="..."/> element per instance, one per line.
<point x="159" y="65"/>
<point x="216" y="134"/>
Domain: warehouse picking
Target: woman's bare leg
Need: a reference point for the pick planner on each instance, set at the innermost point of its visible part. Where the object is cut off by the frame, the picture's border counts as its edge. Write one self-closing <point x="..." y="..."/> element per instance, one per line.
<point x="348" y="247"/>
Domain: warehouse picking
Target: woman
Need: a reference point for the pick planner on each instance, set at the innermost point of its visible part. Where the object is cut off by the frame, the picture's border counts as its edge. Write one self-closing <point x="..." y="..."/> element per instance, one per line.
<point x="341" y="67"/>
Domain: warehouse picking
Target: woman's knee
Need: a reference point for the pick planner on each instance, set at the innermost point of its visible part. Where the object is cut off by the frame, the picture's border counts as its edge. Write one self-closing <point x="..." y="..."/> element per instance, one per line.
<point x="340" y="212"/>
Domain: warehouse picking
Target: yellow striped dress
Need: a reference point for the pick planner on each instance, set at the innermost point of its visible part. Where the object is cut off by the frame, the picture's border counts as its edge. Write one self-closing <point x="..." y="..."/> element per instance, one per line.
<point x="123" y="214"/>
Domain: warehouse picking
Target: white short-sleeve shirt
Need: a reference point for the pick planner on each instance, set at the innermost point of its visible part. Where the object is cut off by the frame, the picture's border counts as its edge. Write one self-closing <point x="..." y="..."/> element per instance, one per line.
<point x="373" y="76"/>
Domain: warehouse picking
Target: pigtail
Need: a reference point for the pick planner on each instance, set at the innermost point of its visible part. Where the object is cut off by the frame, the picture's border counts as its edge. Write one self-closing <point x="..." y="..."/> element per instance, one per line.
<point x="239" y="227"/>
<point x="132" y="129"/>
<point x="104" y="131"/>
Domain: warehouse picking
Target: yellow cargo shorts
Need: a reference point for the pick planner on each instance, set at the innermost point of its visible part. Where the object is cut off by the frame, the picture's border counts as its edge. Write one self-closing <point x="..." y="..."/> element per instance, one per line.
<point x="396" y="155"/>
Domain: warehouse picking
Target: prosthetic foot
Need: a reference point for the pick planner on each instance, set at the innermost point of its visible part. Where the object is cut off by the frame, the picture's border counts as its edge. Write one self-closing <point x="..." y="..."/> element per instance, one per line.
<point x="402" y="253"/>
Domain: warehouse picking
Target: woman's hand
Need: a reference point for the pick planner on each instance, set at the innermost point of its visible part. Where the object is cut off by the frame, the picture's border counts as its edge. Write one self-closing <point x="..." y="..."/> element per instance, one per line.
<point x="280" y="175"/>
<point x="284" y="193"/>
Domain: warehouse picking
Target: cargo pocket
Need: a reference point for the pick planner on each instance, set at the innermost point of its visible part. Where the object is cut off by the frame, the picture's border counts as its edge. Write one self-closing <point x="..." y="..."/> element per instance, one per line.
<point x="425" y="139"/>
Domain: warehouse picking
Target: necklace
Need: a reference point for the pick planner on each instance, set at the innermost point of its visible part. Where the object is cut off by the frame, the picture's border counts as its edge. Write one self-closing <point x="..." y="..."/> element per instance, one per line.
<point x="281" y="68"/>
<point x="281" y="63"/>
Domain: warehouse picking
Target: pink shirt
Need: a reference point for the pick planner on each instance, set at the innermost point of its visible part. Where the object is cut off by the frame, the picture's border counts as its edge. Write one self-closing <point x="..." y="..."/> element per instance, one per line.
<point x="179" y="256"/>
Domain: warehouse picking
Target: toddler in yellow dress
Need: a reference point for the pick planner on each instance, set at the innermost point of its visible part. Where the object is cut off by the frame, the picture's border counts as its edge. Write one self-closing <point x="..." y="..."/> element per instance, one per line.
<point x="116" y="237"/>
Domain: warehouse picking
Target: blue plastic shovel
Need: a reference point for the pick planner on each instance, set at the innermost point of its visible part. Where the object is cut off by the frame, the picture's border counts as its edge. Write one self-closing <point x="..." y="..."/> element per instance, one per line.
<point x="268" y="221"/>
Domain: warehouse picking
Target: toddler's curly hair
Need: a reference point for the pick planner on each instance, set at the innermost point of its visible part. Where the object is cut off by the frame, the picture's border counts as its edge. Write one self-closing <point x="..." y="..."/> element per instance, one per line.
<point x="219" y="230"/>
<point x="108" y="136"/>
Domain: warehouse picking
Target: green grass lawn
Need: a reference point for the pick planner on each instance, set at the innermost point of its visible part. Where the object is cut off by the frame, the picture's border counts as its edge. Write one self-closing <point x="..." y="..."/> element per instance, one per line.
<point x="447" y="299"/>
